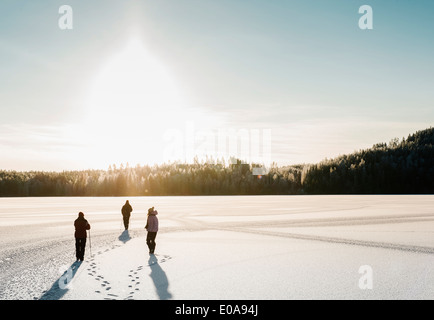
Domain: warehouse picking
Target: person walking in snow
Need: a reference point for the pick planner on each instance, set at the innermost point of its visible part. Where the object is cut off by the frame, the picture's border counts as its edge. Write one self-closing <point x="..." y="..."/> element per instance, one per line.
<point x="81" y="225"/>
<point x="126" y="213"/>
<point x="152" y="228"/>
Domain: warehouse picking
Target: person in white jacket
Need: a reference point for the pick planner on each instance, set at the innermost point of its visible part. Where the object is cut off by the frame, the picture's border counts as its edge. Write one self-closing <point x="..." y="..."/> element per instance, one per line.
<point x="152" y="228"/>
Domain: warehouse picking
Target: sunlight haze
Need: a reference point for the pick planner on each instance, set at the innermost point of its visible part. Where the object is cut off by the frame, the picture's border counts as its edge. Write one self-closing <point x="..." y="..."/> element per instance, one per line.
<point x="149" y="82"/>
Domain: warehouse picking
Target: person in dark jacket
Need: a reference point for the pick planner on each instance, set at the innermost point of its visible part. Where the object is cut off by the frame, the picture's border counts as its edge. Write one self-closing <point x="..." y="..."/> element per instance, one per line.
<point x="81" y="225"/>
<point x="152" y="228"/>
<point x="126" y="213"/>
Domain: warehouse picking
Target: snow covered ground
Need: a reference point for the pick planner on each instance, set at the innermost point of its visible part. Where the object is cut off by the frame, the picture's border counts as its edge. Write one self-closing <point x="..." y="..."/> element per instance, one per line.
<point x="238" y="248"/>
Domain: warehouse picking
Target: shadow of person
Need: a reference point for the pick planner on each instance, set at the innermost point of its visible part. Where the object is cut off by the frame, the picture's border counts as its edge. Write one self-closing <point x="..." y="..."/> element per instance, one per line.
<point x="125" y="236"/>
<point x="61" y="285"/>
<point x="159" y="278"/>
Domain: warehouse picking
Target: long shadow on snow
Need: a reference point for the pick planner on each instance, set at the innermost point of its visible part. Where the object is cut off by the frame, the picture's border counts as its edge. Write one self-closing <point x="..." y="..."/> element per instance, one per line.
<point x="61" y="285"/>
<point x="159" y="278"/>
<point x="125" y="236"/>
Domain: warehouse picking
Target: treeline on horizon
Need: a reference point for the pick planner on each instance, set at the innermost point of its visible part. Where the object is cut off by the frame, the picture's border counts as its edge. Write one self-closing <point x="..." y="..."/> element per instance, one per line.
<point x="399" y="167"/>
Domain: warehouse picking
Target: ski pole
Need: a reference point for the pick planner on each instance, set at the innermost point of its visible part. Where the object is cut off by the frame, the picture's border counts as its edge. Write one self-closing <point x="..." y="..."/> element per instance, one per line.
<point x="90" y="245"/>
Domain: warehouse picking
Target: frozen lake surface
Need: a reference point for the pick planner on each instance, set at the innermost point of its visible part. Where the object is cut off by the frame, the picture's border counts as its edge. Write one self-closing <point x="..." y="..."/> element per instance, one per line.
<point x="239" y="247"/>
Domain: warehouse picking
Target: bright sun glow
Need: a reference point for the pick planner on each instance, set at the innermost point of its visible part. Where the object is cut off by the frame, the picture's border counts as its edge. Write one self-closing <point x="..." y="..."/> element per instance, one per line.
<point x="133" y="101"/>
<point x="133" y="83"/>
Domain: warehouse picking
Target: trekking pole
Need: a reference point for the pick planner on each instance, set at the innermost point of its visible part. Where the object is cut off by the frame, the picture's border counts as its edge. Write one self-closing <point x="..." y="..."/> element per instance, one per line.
<point x="90" y="245"/>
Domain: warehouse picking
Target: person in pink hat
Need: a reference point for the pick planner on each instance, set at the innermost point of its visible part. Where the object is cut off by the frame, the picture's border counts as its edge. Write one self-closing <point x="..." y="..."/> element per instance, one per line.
<point x="152" y="228"/>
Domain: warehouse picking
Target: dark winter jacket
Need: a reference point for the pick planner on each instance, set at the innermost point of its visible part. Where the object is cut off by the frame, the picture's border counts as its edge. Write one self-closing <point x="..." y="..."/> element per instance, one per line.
<point x="126" y="210"/>
<point x="152" y="225"/>
<point x="81" y="225"/>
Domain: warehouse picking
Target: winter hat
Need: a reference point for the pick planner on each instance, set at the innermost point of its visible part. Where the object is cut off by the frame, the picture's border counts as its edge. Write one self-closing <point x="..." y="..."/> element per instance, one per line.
<point x="81" y="214"/>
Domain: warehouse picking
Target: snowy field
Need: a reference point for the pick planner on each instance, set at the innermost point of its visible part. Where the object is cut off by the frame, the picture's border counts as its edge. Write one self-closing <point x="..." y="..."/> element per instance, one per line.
<point x="264" y="247"/>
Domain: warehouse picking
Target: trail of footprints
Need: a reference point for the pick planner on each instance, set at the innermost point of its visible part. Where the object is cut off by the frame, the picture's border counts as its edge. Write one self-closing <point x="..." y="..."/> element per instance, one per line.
<point x="133" y="276"/>
<point x="134" y="279"/>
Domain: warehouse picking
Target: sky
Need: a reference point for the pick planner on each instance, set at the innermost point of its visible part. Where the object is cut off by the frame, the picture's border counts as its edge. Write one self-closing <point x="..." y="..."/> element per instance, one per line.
<point x="145" y="82"/>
